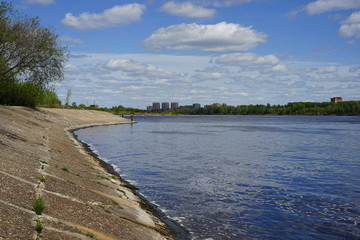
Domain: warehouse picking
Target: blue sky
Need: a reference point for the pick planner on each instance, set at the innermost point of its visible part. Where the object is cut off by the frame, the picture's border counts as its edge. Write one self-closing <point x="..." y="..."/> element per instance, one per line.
<point x="133" y="53"/>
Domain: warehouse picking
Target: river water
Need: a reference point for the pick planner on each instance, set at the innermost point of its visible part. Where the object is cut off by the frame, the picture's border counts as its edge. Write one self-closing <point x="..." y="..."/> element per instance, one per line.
<point x="243" y="177"/>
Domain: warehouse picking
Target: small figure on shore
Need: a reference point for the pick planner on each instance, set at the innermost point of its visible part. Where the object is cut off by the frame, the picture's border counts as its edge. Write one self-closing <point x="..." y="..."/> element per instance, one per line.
<point x="132" y="118"/>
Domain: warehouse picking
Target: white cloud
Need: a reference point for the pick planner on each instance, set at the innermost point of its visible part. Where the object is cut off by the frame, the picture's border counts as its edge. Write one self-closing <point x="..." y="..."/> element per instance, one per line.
<point x="279" y="68"/>
<point x="187" y="10"/>
<point x="71" y="40"/>
<point x="351" y="26"/>
<point x="132" y="88"/>
<point x="72" y="69"/>
<point x="41" y="2"/>
<point x="210" y="76"/>
<point x="139" y="69"/>
<point x="331" y="69"/>
<point x="321" y="6"/>
<point x="221" y="37"/>
<point x="113" y="17"/>
<point x="228" y="3"/>
<point x="250" y="60"/>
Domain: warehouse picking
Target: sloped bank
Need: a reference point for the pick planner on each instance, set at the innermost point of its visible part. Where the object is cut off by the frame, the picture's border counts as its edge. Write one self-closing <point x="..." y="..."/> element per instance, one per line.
<point x="41" y="159"/>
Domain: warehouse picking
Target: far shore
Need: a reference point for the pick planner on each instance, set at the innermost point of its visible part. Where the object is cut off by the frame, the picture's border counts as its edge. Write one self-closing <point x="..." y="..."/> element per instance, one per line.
<point x="84" y="197"/>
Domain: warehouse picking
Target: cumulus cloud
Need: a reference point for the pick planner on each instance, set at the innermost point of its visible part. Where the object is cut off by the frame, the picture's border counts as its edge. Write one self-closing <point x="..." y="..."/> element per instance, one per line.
<point x="113" y="17"/>
<point x="331" y="69"/>
<point x="41" y="2"/>
<point x="187" y="10"/>
<point x="351" y="26"/>
<point x="221" y="37"/>
<point x="250" y="60"/>
<point x="71" y="40"/>
<point x="228" y="3"/>
<point x="139" y="69"/>
<point x="321" y="6"/>
<point x="72" y="69"/>
<point x="280" y="68"/>
<point x="210" y="75"/>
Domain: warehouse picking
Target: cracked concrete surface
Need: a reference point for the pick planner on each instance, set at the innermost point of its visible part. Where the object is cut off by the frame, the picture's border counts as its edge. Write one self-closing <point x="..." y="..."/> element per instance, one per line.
<point x="83" y="201"/>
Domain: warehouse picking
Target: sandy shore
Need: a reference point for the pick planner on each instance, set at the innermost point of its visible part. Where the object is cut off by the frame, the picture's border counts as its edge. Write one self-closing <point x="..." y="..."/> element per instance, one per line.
<point x="82" y="199"/>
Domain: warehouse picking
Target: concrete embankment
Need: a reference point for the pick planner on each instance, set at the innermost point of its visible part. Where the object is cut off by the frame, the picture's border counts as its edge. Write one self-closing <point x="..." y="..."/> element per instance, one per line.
<point x="40" y="158"/>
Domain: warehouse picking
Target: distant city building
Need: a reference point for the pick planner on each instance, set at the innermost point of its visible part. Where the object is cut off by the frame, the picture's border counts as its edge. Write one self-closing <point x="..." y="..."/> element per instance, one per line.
<point x="149" y="108"/>
<point x="174" y="105"/>
<point x="196" y="105"/>
<point x="336" y="99"/>
<point x="214" y="104"/>
<point x="186" y="106"/>
<point x="156" y="106"/>
<point x="165" y="106"/>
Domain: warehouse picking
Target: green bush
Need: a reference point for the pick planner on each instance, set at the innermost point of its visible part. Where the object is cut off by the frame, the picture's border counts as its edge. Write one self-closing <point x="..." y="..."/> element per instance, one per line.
<point x="39" y="205"/>
<point x="14" y="92"/>
<point x="49" y="98"/>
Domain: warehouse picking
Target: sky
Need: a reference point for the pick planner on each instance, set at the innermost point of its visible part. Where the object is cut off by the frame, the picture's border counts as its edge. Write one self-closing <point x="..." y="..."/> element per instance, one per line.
<point x="238" y="52"/>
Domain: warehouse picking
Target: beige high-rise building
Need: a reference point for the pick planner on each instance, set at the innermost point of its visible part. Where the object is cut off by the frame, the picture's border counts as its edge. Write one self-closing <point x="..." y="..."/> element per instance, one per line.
<point x="174" y="105"/>
<point x="165" y="106"/>
<point x="156" y="106"/>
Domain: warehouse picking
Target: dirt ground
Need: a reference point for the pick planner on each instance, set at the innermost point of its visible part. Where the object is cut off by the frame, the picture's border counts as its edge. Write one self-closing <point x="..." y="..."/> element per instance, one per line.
<point x="39" y="158"/>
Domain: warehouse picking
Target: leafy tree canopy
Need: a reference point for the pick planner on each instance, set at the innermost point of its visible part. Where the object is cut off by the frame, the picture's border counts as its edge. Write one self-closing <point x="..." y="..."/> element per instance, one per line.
<point x="29" y="52"/>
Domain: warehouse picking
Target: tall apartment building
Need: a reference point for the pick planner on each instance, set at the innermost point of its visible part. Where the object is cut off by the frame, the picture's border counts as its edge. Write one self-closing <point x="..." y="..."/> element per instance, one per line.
<point x="156" y="106"/>
<point x="174" y="105"/>
<point x="165" y="106"/>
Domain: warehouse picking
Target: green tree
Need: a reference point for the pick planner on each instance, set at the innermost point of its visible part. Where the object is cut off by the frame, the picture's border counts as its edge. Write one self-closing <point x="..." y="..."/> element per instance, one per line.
<point x="68" y="95"/>
<point x="29" y="52"/>
<point x="82" y="106"/>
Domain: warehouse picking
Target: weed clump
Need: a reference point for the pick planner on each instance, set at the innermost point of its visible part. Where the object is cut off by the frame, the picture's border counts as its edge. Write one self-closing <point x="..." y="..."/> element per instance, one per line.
<point x="39" y="205"/>
<point x="38" y="227"/>
<point x="42" y="178"/>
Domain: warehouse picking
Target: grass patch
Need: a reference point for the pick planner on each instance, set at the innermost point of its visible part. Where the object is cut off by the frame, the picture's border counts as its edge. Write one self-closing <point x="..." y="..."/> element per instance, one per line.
<point x="44" y="162"/>
<point x="38" y="227"/>
<point x="102" y="177"/>
<point x="39" y="205"/>
<point x="89" y="235"/>
<point x="65" y="169"/>
<point x="123" y="192"/>
<point x="42" y="178"/>
<point x="107" y="211"/>
<point x="100" y="205"/>
<point x="101" y="184"/>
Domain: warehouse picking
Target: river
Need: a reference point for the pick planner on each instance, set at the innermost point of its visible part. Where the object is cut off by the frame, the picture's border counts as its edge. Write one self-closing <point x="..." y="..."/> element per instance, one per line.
<point x="236" y="177"/>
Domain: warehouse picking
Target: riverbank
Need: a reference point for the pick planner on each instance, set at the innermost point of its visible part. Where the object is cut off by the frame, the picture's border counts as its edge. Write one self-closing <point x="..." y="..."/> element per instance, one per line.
<point x="40" y="158"/>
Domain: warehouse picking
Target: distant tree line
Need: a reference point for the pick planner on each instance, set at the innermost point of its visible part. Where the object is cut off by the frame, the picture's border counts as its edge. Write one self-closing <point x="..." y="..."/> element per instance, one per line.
<point x="118" y="110"/>
<point x="293" y="108"/>
<point x="348" y="108"/>
<point x="31" y="59"/>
